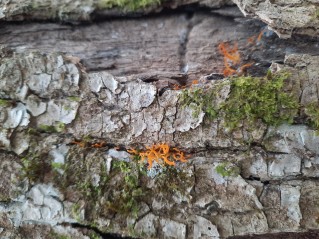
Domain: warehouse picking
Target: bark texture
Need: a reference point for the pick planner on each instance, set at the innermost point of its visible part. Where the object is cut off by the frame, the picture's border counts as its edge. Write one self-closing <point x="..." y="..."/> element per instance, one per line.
<point x="295" y="17"/>
<point x="50" y="101"/>
<point x="75" y="11"/>
<point x="74" y="100"/>
<point x="166" y="48"/>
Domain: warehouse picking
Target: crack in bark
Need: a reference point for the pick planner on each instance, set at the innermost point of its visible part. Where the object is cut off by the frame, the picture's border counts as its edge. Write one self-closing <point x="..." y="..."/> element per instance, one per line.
<point x="104" y="235"/>
<point x="183" y="44"/>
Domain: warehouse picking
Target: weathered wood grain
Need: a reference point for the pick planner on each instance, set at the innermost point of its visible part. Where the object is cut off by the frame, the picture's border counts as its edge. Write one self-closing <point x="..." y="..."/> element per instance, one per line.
<point x="162" y="46"/>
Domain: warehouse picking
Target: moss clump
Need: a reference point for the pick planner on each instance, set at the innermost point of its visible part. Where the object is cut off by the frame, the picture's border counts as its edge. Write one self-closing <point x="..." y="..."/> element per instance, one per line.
<point x="126" y="200"/>
<point x="35" y="167"/>
<point x="127" y="5"/>
<point x="5" y="103"/>
<point x="74" y="98"/>
<point x="312" y="111"/>
<point x="227" y="170"/>
<point x="253" y="98"/>
<point x="56" y="235"/>
<point x="173" y="180"/>
<point x="200" y="100"/>
<point x="58" y="128"/>
<point x="250" y="99"/>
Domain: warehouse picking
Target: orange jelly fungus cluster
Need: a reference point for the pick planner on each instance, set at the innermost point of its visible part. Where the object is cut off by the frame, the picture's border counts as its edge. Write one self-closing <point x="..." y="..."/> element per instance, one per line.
<point x="160" y="153"/>
<point x="232" y="56"/>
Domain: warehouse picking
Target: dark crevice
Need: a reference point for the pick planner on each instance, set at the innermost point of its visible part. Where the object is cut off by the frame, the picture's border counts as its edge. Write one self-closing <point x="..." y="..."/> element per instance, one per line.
<point x="252" y="178"/>
<point x="104" y="235"/>
<point x="311" y="234"/>
<point x="183" y="44"/>
<point x="164" y="10"/>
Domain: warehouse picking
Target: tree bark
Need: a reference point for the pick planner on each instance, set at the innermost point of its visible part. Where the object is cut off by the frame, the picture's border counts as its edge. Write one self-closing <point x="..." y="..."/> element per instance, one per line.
<point x="70" y="122"/>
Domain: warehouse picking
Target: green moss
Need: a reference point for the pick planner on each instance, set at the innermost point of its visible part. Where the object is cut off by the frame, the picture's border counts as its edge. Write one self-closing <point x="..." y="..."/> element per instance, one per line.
<point x="35" y="167"/>
<point x="312" y="111"/>
<point x="227" y="170"/>
<point x="253" y="98"/>
<point x="200" y="100"/>
<point x="57" y="128"/>
<point x="47" y="128"/>
<point x="60" y="127"/>
<point x="250" y="99"/>
<point x="76" y="212"/>
<point x="56" y="235"/>
<point x="94" y="235"/>
<point x="134" y="233"/>
<point x="74" y="98"/>
<point x="5" y="103"/>
<point x="173" y="180"/>
<point x="57" y="166"/>
<point x="127" y="201"/>
<point x="127" y="5"/>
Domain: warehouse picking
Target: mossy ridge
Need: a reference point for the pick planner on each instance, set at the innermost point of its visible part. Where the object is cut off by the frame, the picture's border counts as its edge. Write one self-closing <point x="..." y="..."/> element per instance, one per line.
<point x="250" y="99"/>
<point x="173" y="180"/>
<point x="200" y="100"/>
<point x="312" y="112"/>
<point x="5" y="103"/>
<point x="35" y="167"/>
<point x="253" y="98"/>
<point x="127" y="5"/>
<point x="126" y="201"/>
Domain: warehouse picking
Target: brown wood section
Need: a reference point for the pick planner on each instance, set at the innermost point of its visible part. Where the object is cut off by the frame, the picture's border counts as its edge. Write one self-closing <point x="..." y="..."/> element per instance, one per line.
<point x="165" y="45"/>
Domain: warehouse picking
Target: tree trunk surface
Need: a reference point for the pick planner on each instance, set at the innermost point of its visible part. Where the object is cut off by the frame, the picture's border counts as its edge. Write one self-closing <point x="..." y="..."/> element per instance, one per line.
<point x="125" y="126"/>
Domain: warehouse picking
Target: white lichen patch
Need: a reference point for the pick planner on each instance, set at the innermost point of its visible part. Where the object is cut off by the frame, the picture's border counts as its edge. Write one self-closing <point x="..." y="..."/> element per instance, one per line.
<point x="42" y="205"/>
<point x="119" y="155"/>
<point x="290" y="196"/>
<point x="204" y="228"/>
<point x="142" y="95"/>
<point x="173" y="229"/>
<point x="284" y="165"/>
<point x="58" y="155"/>
<point x="146" y="225"/>
<point x="35" y="105"/>
<point x="17" y="116"/>
<point x="63" y="111"/>
<point x="185" y="119"/>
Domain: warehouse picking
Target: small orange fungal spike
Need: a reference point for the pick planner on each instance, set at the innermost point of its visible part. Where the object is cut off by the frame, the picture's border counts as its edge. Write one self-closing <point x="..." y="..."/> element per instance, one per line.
<point x="231" y="54"/>
<point x="195" y="82"/>
<point x="81" y="144"/>
<point x="98" y="145"/>
<point x="132" y="151"/>
<point x="244" y="67"/>
<point x="260" y="35"/>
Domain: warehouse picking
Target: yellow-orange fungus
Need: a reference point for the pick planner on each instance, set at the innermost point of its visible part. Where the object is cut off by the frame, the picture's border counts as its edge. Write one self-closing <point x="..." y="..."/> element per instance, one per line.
<point x="230" y="53"/>
<point x="244" y="67"/>
<point x="81" y="144"/>
<point x="160" y="153"/>
<point x="84" y="144"/>
<point x="98" y="145"/>
<point x="232" y="57"/>
<point x="260" y="35"/>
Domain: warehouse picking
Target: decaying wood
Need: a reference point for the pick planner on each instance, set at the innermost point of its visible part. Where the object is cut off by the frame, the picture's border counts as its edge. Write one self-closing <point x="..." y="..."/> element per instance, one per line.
<point x="163" y="46"/>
